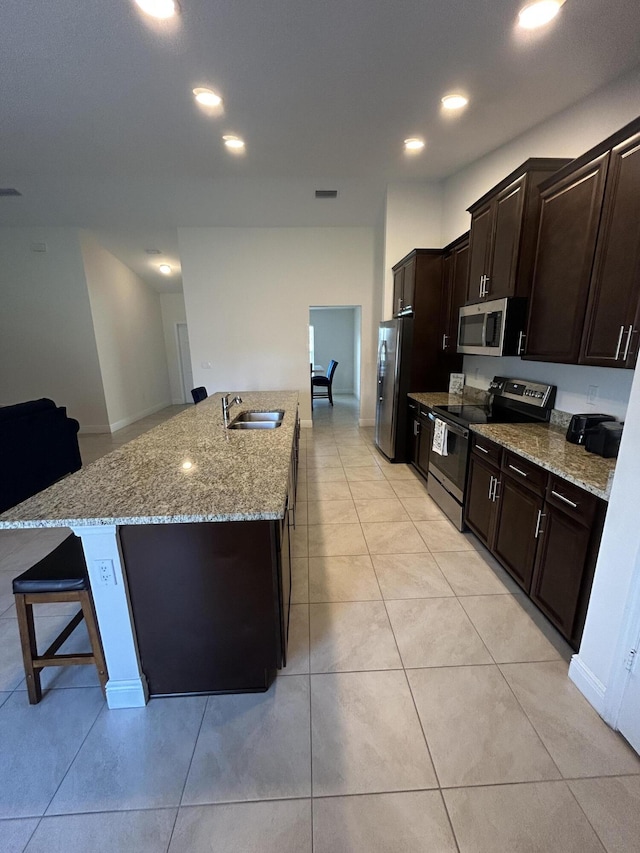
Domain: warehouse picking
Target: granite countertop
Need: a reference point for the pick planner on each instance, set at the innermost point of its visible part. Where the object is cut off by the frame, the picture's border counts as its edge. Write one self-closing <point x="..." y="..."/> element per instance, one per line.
<point x="443" y="398"/>
<point x="235" y="475"/>
<point x="546" y="445"/>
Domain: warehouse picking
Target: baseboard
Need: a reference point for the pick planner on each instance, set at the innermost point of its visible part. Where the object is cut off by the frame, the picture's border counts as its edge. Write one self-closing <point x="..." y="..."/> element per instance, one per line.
<point x="306" y="424"/>
<point x="132" y="693"/>
<point x="92" y="428"/>
<point x="367" y="422"/>
<point x="114" y="427"/>
<point x="588" y="684"/>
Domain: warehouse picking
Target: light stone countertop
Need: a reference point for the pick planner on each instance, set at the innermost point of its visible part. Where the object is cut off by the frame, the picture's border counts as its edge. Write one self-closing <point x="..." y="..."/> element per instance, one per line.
<point x="235" y="475"/>
<point x="546" y="445"/>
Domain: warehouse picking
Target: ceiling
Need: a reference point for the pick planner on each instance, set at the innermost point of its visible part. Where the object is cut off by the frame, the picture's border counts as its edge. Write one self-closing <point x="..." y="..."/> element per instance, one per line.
<point x="99" y="128"/>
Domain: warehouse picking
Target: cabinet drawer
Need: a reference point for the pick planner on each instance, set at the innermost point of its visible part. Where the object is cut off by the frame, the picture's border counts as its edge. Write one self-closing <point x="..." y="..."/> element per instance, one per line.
<point x="424" y="412"/>
<point x="525" y="472"/>
<point x="486" y="449"/>
<point x="572" y="500"/>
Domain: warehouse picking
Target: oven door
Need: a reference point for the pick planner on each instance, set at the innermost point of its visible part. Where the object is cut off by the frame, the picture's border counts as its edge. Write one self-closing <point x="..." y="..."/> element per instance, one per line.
<point x="451" y="470"/>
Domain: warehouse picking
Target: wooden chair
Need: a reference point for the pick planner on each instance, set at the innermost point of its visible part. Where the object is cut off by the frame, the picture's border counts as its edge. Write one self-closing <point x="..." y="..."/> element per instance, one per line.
<point x="323" y="382"/>
<point x="60" y="576"/>
<point x="199" y="394"/>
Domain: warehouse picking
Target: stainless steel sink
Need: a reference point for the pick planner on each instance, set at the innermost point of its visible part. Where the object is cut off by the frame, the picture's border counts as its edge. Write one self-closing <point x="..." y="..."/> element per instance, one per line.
<point x="257" y="420"/>
<point x="246" y="417"/>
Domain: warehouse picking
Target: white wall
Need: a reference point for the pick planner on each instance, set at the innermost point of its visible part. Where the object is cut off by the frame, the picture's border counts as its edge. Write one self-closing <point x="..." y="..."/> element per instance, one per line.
<point x="568" y="134"/>
<point x="334" y="338"/>
<point x="248" y="292"/>
<point x="173" y="312"/>
<point x="128" y="330"/>
<point x="618" y="560"/>
<point x="573" y="381"/>
<point x="47" y="342"/>
<point x="413" y="220"/>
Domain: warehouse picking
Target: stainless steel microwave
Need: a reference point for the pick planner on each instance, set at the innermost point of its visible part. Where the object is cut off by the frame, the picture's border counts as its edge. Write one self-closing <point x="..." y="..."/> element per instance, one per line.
<point x="493" y="328"/>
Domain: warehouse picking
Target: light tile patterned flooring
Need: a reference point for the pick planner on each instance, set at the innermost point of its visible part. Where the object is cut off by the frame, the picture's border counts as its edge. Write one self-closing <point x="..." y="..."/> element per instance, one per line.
<point x="425" y="707"/>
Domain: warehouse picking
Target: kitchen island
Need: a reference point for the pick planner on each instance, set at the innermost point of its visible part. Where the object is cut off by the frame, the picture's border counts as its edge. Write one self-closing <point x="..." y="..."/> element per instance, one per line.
<point x="185" y="532"/>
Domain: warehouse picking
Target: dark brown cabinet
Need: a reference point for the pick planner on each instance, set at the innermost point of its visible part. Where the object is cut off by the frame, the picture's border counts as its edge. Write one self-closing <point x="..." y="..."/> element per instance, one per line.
<point x="519" y="515"/>
<point x="543" y="530"/>
<point x="404" y="286"/>
<point x="566" y="243"/>
<point x="455" y="273"/>
<point x="569" y="537"/>
<point x="585" y="298"/>
<point x="483" y="481"/>
<point x="420" y="438"/>
<point x="504" y="226"/>
<point x="611" y="332"/>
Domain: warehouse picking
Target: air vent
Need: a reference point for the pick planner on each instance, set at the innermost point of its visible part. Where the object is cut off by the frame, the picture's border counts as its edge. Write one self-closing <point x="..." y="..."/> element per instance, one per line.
<point x="326" y="193"/>
<point x="9" y="191"/>
<point x="153" y="251"/>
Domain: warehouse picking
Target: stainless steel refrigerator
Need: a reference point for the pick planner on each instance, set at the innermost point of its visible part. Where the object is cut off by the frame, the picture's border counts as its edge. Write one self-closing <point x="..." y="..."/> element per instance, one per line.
<point x="393" y="337"/>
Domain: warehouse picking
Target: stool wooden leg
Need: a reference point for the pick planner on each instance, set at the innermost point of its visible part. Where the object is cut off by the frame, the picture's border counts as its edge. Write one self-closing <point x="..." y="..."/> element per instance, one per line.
<point x="29" y="648"/>
<point x="94" y="636"/>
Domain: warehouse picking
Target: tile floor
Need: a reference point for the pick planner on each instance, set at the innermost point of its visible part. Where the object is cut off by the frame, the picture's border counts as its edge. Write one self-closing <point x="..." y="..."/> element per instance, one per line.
<point x="426" y="705"/>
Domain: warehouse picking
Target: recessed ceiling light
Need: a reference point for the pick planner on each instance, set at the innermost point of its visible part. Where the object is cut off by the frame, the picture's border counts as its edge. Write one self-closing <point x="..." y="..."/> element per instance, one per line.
<point x="158" y="8"/>
<point x="538" y="14"/>
<point x="153" y="251"/>
<point x="414" y="144"/>
<point x="454" y="102"/>
<point x="207" y="97"/>
<point x="233" y="142"/>
<point x="165" y="269"/>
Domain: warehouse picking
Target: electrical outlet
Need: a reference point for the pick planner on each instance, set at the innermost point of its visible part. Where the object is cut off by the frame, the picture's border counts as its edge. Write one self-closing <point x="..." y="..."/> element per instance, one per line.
<point x="592" y="395"/>
<point x="105" y="572"/>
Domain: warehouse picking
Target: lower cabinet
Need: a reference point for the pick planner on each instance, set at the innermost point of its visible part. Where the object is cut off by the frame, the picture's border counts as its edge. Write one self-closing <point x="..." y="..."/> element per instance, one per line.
<point x="420" y="437"/>
<point x="544" y="531"/>
<point x="516" y="532"/>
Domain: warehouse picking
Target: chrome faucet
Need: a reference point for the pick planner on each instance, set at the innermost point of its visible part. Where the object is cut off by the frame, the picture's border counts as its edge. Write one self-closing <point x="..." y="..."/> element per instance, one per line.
<point x="226" y="405"/>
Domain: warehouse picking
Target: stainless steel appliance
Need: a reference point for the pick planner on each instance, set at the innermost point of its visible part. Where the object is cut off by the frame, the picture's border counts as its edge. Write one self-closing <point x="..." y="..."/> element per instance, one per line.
<point x="493" y="328"/>
<point x="510" y="400"/>
<point x="391" y="337"/>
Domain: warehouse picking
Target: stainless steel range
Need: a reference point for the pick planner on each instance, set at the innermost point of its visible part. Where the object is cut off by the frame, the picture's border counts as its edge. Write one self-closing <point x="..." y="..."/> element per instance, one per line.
<point x="510" y="401"/>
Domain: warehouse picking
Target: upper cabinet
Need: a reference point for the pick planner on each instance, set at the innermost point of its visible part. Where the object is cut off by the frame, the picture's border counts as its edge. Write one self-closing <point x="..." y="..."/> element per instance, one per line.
<point x="585" y="299"/>
<point x="504" y="225"/>
<point x="455" y="270"/>
<point x="404" y="286"/>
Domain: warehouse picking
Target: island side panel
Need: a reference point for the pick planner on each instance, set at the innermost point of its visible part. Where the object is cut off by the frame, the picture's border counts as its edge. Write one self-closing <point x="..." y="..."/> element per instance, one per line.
<point x="205" y="605"/>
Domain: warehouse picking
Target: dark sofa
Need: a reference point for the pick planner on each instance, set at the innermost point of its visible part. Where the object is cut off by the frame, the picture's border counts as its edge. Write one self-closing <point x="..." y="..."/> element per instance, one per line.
<point x="38" y="445"/>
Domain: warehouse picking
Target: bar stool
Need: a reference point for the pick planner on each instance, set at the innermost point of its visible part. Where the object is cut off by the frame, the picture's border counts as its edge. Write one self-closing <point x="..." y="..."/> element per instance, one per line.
<point x="60" y="576"/>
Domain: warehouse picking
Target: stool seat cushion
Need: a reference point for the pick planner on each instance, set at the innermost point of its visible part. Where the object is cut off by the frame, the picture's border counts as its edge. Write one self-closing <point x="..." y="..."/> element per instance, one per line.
<point x="63" y="570"/>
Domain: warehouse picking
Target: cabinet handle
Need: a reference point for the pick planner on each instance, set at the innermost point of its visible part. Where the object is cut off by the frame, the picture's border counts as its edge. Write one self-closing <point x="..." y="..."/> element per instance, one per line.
<point x="521" y="339"/>
<point x="541" y="515"/>
<point x="491" y="482"/>
<point x="617" y="355"/>
<point x="399" y="304"/>
<point x="444" y="341"/>
<point x="562" y="498"/>
<point x="486" y="286"/>
<point x="413" y="405"/>
<point x="481" y="285"/>
<point x="626" y="346"/>
<point x="518" y="471"/>
<point x="495" y="490"/>
<point x="480" y="447"/>
<point x="416" y="427"/>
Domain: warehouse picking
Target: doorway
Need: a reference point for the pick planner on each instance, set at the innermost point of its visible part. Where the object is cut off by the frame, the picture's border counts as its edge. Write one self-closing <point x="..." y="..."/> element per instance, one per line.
<point x="335" y="333"/>
<point x="184" y="359"/>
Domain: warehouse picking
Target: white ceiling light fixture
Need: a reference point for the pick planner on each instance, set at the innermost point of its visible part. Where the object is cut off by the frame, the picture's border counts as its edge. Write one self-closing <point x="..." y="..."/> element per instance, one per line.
<point x="207" y="97"/>
<point x="165" y="269"/>
<point x="454" y="101"/>
<point x="158" y="8"/>
<point x="413" y="144"/>
<point x="233" y="143"/>
<point x="538" y="14"/>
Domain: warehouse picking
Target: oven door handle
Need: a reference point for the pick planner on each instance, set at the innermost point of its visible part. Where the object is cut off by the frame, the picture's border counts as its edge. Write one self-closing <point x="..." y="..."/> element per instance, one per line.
<point x="450" y="426"/>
